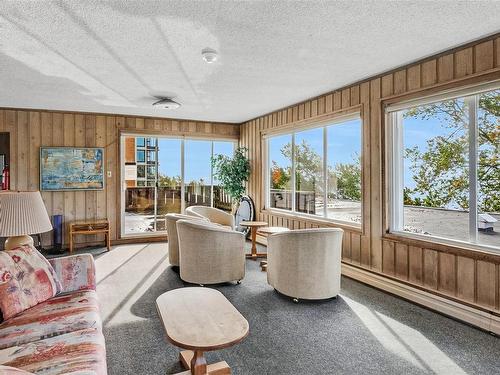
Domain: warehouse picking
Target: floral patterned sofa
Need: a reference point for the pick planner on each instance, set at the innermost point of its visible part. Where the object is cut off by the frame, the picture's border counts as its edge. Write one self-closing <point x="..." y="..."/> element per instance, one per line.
<point x="62" y="335"/>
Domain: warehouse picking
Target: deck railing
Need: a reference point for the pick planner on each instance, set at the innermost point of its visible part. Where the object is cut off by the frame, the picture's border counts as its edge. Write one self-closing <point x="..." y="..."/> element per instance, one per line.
<point x="140" y="200"/>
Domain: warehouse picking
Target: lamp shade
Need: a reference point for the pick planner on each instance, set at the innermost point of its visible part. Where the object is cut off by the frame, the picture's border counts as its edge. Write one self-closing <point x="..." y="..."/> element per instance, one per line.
<point x="23" y="213"/>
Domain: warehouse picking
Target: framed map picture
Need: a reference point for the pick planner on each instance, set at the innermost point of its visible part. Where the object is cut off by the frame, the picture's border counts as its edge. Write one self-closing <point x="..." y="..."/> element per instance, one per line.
<point x="71" y="168"/>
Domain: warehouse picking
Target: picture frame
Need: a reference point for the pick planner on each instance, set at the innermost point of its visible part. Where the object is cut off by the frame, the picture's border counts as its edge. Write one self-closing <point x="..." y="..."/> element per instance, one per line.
<point x="71" y="168"/>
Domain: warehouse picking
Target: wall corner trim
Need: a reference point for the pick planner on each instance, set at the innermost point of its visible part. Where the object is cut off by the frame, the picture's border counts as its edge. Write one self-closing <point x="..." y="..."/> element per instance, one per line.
<point x="467" y="314"/>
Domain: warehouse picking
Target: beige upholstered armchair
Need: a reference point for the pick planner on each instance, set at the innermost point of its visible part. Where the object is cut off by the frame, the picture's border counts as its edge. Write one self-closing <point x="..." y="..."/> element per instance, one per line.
<point x="210" y="254"/>
<point x="213" y="214"/>
<point x="305" y="263"/>
<point x="173" y="240"/>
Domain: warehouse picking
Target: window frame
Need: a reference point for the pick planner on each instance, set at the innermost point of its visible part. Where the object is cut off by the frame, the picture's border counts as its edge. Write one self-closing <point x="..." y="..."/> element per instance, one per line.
<point x="395" y="168"/>
<point x="143" y="142"/>
<point x="338" y="118"/>
<point x="140" y="160"/>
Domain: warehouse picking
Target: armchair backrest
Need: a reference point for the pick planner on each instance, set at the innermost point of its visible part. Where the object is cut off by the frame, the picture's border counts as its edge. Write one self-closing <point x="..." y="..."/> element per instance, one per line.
<point x="210" y="253"/>
<point x="311" y="241"/>
<point x="305" y="263"/>
<point x="213" y="214"/>
<point x="173" y="239"/>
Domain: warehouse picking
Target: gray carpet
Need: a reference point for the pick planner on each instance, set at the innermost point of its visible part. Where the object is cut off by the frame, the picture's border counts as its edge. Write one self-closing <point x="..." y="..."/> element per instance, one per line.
<point x="364" y="331"/>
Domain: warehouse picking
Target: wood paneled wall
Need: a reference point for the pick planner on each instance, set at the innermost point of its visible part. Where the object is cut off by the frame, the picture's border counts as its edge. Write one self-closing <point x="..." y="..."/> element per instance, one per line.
<point x="30" y="129"/>
<point x="468" y="276"/>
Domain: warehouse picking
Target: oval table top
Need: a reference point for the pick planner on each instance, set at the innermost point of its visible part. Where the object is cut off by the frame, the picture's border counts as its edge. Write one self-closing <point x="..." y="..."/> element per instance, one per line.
<point x="200" y="319"/>
<point x="253" y="223"/>
<point x="272" y="230"/>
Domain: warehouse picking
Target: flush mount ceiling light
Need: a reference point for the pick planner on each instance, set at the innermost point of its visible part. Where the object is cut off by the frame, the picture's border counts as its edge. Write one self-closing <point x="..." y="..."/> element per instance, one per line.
<point x="209" y="55"/>
<point x="166" y="103"/>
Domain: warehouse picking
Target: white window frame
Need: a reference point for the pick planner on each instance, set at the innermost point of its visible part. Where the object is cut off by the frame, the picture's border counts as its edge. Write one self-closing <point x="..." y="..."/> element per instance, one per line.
<point x="183" y="139"/>
<point x="297" y="129"/>
<point x="395" y="157"/>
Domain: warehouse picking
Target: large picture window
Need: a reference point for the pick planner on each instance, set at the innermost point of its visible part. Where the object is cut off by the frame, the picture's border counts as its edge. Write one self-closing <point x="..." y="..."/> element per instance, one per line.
<point x="317" y="171"/>
<point x="280" y="169"/>
<point x="445" y="170"/>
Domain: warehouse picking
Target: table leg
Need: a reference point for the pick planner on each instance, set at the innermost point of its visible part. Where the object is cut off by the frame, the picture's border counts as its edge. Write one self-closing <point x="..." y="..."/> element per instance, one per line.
<point x="263" y="265"/>
<point x="108" y="240"/>
<point x="190" y="360"/>
<point x="198" y="363"/>
<point x="254" y="254"/>
<point x="254" y="242"/>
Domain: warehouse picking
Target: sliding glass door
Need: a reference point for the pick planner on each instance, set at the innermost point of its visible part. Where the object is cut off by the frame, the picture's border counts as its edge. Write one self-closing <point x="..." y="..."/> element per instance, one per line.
<point x="166" y="175"/>
<point x="169" y="190"/>
<point x="220" y="199"/>
<point x="139" y="181"/>
<point x="197" y="173"/>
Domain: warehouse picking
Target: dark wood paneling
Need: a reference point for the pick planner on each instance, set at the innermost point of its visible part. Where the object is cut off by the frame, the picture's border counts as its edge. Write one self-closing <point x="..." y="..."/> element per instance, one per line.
<point x="388" y="257"/>
<point x="447" y="273"/>
<point x="401" y="261"/>
<point x="465" y="278"/>
<point x="355" y="248"/>
<point x="431" y="265"/>
<point x="416" y="260"/>
<point x="486" y="278"/>
<point x="346" y="246"/>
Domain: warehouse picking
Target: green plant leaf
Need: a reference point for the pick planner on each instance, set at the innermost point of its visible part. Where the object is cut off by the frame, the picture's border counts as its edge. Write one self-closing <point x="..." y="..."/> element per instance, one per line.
<point x="232" y="172"/>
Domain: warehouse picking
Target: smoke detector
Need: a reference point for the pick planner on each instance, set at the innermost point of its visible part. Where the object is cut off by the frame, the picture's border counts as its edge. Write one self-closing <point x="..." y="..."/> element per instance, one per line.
<point x="209" y="55"/>
<point x="166" y="103"/>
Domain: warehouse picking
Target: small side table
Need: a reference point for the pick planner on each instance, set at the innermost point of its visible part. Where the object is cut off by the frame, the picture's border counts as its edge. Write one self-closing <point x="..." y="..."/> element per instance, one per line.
<point x="254" y="226"/>
<point x="89" y="227"/>
<point x="267" y="231"/>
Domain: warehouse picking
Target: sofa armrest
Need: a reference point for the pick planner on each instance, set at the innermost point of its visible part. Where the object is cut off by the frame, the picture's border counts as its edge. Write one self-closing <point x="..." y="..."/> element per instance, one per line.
<point x="75" y="272"/>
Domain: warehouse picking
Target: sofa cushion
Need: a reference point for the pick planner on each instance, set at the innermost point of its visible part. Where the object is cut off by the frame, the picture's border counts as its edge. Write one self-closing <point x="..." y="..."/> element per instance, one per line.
<point x="56" y="316"/>
<point x="7" y="370"/>
<point x="26" y="279"/>
<point x="75" y="272"/>
<point x="81" y="352"/>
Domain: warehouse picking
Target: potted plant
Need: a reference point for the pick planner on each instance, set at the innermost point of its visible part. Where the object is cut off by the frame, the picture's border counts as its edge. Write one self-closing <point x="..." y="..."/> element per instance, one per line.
<point x="232" y="172"/>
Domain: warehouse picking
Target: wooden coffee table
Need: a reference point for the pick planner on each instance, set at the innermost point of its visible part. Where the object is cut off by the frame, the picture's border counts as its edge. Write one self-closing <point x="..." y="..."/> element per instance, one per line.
<point x="200" y="320"/>
<point x="267" y="231"/>
<point x="254" y="226"/>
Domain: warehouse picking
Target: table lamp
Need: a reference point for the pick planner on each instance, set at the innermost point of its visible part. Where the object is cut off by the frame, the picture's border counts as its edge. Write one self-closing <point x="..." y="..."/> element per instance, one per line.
<point x="22" y="213"/>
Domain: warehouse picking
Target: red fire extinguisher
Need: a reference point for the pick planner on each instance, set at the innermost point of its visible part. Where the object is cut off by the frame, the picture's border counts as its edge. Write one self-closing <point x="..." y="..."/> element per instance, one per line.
<point x="6" y="178"/>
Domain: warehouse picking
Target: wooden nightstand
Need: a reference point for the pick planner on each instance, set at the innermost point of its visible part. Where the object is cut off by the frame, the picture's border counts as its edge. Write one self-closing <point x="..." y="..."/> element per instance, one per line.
<point x="89" y="227"/>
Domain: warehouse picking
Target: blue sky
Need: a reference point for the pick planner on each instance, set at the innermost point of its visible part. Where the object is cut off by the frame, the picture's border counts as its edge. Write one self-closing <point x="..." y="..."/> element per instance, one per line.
<point x="416" y="133"/>
<point x="197" y="157"/>
<point x="169" y="155"/>
<point x="344" y="142"/>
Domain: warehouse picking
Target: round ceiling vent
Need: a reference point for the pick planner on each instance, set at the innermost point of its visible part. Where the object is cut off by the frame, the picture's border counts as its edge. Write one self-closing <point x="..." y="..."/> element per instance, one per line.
<point x="166" y="103"/>
<point x="209" y="55"/>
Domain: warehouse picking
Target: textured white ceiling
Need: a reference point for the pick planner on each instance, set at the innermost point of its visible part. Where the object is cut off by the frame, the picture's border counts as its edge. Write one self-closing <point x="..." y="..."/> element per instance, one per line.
<point x="111" y="57"/>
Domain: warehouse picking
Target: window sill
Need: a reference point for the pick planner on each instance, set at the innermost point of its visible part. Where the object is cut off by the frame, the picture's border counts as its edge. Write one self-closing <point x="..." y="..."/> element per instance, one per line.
<point x="145" y="235"/>
<point x="445" y="245"/>
<point x="313" y="219"/>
